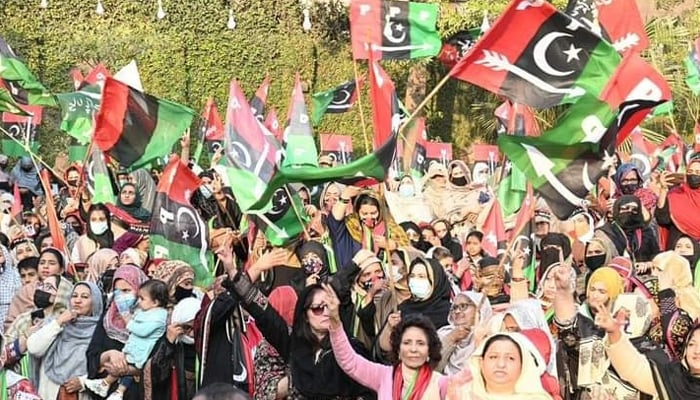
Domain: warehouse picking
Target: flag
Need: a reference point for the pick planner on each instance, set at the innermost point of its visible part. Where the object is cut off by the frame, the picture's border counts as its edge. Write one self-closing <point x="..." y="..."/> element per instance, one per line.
<point x="59" y="241"/>
<point x="78" y="110"/>
<point x="97" y="75"/>
<point x="18" y="85"/>
<point x="516" y="119"/>
<point x="511" y="189"/>
<point x="299" y="145"/>
<point x="251" y="157"/>
<point x="524" y="229"/>
<point x="129" y="75"/>
<point x="16" y="202"/>
<point x="258" y="102"/>
<point x="692" y="66"/>
<point x="457" y="45"/>
<point x="211" y="127"/>
<point x="337" y="147"/>
<point x="494" y="231"/>
<point x="393" y="30"/>
<point x="273" y="125"/>
<point x="619" y="22"/>
<point x="97" y="178"/>
<point x="77" y="77"/>
<point x="334" y="101"/>
<point x="22" y="127"/>
<point x="663" y="109"/>
<point x="281" y="224"/>
<point x="437" y="152"/>
<point x="535" y="55"/>
<point x="670" y="154"/>
<point x="177" y="231"/>
<point x="76" y="151"/>
<point x="135" y="128"/>
<point x="386" y="113"/>
<point x="419" y="155"/>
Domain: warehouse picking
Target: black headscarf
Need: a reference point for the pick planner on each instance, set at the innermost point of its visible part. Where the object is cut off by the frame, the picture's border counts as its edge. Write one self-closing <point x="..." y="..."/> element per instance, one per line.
<point x="437" y="306"/>
<point x="317" y="248"/>
<point x="549" y="257"/>
<point x="673" y="381"/>
<point x="693" y="260"/>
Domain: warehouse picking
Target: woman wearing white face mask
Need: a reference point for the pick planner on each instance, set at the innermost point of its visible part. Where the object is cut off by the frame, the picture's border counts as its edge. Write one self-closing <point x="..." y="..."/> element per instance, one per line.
<point x="430" y="291"/>
<point x="98" y="234"/>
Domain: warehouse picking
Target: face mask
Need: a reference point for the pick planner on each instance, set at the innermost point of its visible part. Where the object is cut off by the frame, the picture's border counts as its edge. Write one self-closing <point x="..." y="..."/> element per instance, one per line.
<point x="693" y="181"/>
<point x="630" y="221"/>
<point x="461" y="181"/>
<point x="42" y="299"/>
<point x="396" y="273"/>
<point x="367" y="285"/>
<point x="72" y="183"/>
<point x="595" y="262"/>
<point x="407" y="191"/>
<point x="77" y="228"/>
<point x="181" y="293"/>
<point x="691" y="260"/>
<point x="106" y="280"/>
<point x="184" y="339"/>
<point x="98" y="228"/>
<point x="205" y="191"/>
<point x="26" y="168"/>
<point x="419" y="287"/>
<point x="124" y="301"/>
<point x="370" y="222"/>
<point x="629" y="188"/>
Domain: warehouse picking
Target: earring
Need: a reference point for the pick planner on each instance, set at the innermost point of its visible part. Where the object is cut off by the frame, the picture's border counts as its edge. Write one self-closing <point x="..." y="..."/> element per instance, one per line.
<point x="427" y="360"/>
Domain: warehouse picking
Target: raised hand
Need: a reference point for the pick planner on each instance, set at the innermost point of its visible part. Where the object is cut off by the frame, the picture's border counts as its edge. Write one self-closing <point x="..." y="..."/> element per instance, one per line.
<point x="333" y="304"/>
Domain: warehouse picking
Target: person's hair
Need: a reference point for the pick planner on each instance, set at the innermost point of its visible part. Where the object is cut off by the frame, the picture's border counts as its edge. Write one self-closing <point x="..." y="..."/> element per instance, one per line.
<point x="158" y="291"/>
<point x="476" y="234"/>
<point x="29" y="263"/>
<point x="57" y="254"/>
<point x="221" y="391"/>
<point x="426" y="325"/>
<point x="40" y="238"/>
<point x="99" y="207"/>
<point x="444" y="221"/>
<point x="4" y="240"/>
<point x="302" y="328"/>
<point x="440" y="252"/>
<point x="499" y="338"/>
<point x="366" y="199"/>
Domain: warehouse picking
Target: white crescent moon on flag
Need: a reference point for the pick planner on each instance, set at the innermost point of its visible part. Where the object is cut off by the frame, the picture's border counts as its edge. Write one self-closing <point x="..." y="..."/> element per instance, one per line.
<point x="278" y="195"/>
<point x="540" y="54"/>
<point x="517" y="239"/>
<point x="389" y="33"/>
<point x="184" y="210"/>
<point x="645" y="162"/>
<point x="342" y="100"/>
<point x="240" y="154"/>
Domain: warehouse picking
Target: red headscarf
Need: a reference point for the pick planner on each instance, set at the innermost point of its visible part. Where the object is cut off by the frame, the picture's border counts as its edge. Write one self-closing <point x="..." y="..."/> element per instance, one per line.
<point x="284" y="299"/>
<point x="549" y="383"/>
<point x="683" y="203"/>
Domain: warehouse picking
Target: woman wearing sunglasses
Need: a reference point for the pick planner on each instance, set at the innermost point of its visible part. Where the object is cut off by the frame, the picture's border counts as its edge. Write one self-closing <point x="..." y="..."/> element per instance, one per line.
<point x="415" y="350"/>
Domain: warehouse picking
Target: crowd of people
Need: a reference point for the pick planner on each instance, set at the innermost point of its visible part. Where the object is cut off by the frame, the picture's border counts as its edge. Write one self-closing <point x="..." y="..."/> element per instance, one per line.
<point x="393" y="292"/>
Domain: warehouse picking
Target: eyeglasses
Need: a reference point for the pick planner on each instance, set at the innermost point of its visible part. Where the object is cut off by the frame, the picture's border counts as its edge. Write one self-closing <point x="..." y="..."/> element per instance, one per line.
<point x="460" y="307"/>
<point x="317" y="309"/>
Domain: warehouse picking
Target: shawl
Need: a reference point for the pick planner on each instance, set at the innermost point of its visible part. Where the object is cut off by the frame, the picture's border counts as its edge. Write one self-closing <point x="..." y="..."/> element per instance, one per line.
<point x="528" y="314"/>
<point x="66" y="356"/>
<point x="128" y="239"/>
<point x="683" y="203"/>
<point x="678" y="269"/>
<point x="464" y="349"/>
<point x="22" y="302"/>
<point x="146" y="187"/>
<point x="181" y="274"/>
<point x="99" y="262"/>
<point x="26" y="179"/>
<point x="419" y="386"/>
<point x="386" y="224"/>
<point x="673" y="380"/>
<point x="470" y="384"/>
<point x="437" y="306"/>
<point x="134" y="209"/>
<point x="461" y="165"/>
<point x="168" y="269"/>
<point x="114" y="323"/>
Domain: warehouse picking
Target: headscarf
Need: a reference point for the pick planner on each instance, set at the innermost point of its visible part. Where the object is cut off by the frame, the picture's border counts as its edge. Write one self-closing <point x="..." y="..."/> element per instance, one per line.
<point x="385" y="226"/>
<point x="146" y="187"/>
<point x="683" y="206"/>
<point x="692" y="260"/>
<point x="98" y="263"/>
<point x="621" y="171"/>
<point x="114" y="323"/>
<point x="611" y="279"/>
<point x="26" y="179"/>
<point x="23" y="299"/>
<point x="127" y="240"/>
<point x="604" y="241"/>
<point x="322" y="266"/>
<point x="528" y="314"/>
<point x="673" y="380"/>
<point x="180" y="274"/>
<point x="677" y="269"/>
<point x="461" y="165"/>
<point x="541" y="343"/>
<point x="66" y="356"/>
<point x="527" y="387"/>
<point x="540" y="285"/>
<point x="464" y="349"/>
<point x="639" y="314"/>
<point x="168" y="268"/>
<point x="549" y="257"/>
<point x="437" y="306"/>
<point x="283" y="299"/>
<point x="134" y="209"/>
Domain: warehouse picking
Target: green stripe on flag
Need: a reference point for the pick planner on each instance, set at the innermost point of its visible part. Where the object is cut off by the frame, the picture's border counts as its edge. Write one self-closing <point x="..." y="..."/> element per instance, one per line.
<point x="321" y="101"/>
<point x="601" y="65"/>
<point x="423" y="32"/>
<point x="692" y="78"/>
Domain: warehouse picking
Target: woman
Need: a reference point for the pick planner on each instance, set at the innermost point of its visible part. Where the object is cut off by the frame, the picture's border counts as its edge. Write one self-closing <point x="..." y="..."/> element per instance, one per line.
<point x="690" y="250"/>
<point x="430" y="291"/>
<point x="368" y="285"/>
<point x="104" y="352"/>
<point x="98" y="234"/>
<point x="676" y="270"/>
<point x="23" y="248"/>
<point x="406" y="203"/>
<point x="180" y="280"/>
<point x="316" y="265"/>
<point x="99" y="262"/>
<point x="677" y="207"/>
<point x="61" y="344"/>
<point x="130" y="201"/>
<point x="14" y="386"/>
<point x="547" y="290"/>
<point x="415" y="351"/>
<point x="469" y="310"/>
<point x="10" y="282"/>
<point x="503" y="368"/>
<point x="528" y="314"/>
<point x="677" y="380"/>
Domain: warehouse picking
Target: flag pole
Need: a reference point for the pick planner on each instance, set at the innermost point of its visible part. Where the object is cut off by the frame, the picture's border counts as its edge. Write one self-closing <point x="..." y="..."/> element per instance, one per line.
<point x="422" y="104"/>
<point x="34" y="155"/>
<point x="359" y="105"/>
<point x="297" y="213"/>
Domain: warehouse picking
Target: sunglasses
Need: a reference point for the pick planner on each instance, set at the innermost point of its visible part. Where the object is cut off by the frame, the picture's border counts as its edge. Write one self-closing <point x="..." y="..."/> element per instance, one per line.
<point x="317" y="309"/>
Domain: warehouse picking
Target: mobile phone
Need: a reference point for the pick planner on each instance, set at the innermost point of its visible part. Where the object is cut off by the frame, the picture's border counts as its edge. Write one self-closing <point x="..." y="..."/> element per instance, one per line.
<point x="37" y="314"/>
<point x="676" y="178"/>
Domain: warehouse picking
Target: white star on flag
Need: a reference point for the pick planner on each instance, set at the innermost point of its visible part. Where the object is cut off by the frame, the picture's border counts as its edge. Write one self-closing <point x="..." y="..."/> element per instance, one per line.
<point x="185" y="235"/>
<point x="572" y="53"/>
<point x="491" y="237"/>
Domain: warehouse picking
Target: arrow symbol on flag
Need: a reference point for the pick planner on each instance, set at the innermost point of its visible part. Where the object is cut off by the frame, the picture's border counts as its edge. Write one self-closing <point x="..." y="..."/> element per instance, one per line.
<point x="424" y="46"/>
<point x="626" y="42"/>
<point x="499" y="62"/>
<point x="543" y="168"/>
<point x="281" y="233"/>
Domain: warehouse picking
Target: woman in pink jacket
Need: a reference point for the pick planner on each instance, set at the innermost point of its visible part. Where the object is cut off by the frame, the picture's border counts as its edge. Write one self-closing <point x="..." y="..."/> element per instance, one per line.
<point x="415" y="350"/>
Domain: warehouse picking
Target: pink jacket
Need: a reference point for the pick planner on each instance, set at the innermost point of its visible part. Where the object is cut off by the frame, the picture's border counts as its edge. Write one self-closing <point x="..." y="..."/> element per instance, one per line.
<point x="378" y="377"/>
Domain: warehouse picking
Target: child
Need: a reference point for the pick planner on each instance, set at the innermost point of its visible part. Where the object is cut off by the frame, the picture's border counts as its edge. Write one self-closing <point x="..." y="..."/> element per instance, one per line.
<point x="29" y="270"/>
<point x="147" y="326"/>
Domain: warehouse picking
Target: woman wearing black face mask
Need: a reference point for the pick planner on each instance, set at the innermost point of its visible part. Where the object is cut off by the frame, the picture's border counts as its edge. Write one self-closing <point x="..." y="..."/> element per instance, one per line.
<point x="677" y="209"/>
<point x="689" y="249"/>
<point x="552" y="245"/>
<point x="628" y="179"/>
<point x="179" y="276"/>
<point x="629" y="232"/>
<point x="459" y="173"/>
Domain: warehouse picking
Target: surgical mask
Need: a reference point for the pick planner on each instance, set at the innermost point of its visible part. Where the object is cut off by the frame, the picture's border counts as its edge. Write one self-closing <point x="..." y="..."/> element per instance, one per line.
<point x="419" y="287"/>
<point x="98" y="228"/>
<point x="370" y="222"/>
<point x="595" y="262"/>
<point x="693" y="181"/>
<point x="184" y="339"/>
<point x="42" y="299"/>
<point x="205" y="190"/>
<point x="124" y="301"/>
<point x="460" y="181"/>
<point x="629" y="188"/>
<point x="407" y="191"/>
<point x="182" y="293"/>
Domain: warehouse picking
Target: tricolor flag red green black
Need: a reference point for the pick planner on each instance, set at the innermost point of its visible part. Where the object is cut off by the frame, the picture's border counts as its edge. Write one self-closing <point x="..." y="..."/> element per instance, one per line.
<point x="18" y="85"/>
<point x="334" y="101"/>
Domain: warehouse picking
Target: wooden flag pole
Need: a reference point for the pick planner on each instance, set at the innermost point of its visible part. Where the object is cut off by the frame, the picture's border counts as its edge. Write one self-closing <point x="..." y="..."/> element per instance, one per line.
<point x="422" y="104"/>
<point x="297" y="213"/>
<point x="34" y="156"/>
<point x="358" y="88"/>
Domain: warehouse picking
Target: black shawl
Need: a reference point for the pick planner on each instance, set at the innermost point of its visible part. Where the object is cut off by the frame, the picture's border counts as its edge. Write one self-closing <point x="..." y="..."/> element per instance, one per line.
<point x="673" y="381"/>
<point x="437" y="306"/>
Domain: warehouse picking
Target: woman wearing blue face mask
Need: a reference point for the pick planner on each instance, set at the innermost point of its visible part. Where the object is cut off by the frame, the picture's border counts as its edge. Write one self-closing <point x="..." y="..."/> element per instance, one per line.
<point x="98" y="234"/>
<point x="104" y="352"/>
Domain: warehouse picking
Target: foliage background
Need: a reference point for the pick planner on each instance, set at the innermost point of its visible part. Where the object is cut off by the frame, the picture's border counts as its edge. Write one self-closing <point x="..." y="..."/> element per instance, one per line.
<point x="191" y="55"/>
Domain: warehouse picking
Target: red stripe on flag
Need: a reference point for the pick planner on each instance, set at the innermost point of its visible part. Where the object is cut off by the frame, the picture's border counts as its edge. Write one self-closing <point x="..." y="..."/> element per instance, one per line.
<point x="110" y="120"/>
<point x="17" y="204"/>
<point x="365" y="27"/>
